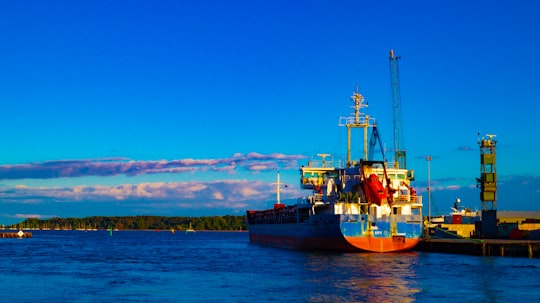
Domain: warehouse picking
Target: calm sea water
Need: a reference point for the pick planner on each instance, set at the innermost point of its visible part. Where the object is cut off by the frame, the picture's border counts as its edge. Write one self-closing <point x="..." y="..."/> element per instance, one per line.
<point x="137" y="266"/>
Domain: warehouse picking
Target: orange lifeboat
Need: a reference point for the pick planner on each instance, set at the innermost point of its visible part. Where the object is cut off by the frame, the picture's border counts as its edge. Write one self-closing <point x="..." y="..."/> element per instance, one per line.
<point x="375" y="192"/>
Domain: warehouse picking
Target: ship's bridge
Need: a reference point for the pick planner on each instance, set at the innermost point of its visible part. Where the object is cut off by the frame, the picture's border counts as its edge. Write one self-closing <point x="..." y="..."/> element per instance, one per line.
<point x="316" y="172"/>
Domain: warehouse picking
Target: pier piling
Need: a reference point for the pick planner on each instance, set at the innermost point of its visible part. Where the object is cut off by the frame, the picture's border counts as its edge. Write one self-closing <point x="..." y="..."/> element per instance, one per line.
<point x="482" y="247"/>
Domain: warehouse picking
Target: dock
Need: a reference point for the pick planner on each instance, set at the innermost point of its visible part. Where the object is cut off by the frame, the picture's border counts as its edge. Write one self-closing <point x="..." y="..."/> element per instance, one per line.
<point x="482" y="247"/>
<point x="17" y="235"/>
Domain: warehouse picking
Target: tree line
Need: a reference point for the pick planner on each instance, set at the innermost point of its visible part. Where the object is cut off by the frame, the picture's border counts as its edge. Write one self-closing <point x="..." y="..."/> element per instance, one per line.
<point x="215" y="223"/>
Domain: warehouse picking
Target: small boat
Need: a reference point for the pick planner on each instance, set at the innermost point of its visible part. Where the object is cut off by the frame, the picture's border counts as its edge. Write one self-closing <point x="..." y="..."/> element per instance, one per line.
<point x="463" y="211"/>
<point x="190" y="229"/>
<point x="458" y="215"/>
<point x="459" y="223"/>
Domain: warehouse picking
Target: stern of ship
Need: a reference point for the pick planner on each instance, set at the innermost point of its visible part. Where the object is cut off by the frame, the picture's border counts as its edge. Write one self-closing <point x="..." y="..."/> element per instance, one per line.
<point x="378" y="233"/>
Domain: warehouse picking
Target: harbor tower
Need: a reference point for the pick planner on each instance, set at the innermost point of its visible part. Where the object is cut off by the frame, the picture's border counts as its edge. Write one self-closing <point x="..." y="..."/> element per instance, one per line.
<point x="488" y="186"/>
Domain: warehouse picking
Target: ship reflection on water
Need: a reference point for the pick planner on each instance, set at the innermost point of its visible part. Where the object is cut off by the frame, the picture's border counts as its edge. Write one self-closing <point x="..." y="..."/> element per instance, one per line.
<point x="363" y="277"/>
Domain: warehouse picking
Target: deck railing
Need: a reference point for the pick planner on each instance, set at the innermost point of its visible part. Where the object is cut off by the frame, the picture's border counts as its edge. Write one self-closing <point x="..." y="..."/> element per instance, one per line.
<point x="406" y="199"/>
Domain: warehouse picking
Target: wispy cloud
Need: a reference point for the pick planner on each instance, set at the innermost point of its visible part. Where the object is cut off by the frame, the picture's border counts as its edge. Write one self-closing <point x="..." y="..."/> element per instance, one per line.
<point x="230" y="194"/>
<point x="194" y="197"/>
<point x="123" y="166"/>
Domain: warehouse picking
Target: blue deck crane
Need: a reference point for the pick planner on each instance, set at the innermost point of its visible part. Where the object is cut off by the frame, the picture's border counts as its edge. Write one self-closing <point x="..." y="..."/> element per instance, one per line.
<point x="399" y="148"/>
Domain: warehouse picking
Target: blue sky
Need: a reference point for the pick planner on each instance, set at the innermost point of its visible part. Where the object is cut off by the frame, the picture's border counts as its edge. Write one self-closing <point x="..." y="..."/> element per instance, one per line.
<point x="189" y="108"/>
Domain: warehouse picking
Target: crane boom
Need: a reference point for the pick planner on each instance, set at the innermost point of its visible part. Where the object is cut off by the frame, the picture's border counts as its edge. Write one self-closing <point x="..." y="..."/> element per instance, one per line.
<point x="375" y="137"/>
<point x="400" y="155"/>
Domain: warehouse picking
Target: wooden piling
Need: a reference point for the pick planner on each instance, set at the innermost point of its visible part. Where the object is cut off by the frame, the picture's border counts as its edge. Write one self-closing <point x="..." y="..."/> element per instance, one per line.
<point x="482" y="247"/>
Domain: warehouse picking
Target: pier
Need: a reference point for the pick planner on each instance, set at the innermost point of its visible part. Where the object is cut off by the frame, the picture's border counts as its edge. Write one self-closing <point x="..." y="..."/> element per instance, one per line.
<point x="482" y="247"/>
<point x="12" y="235"/>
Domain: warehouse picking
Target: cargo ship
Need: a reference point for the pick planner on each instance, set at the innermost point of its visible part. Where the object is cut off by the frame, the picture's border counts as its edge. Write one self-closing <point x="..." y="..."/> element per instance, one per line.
<point x="360" y="205"/>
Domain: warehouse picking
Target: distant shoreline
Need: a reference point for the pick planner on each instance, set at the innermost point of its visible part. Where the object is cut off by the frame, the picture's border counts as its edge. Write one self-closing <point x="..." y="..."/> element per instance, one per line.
<point x="150" y="223"/>
<point x="121" y="230"/>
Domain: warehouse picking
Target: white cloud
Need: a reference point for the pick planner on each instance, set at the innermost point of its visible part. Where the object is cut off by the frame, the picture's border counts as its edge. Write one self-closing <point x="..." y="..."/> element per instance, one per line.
<point x="217" y="195"/>
<point x="195" y="193"/>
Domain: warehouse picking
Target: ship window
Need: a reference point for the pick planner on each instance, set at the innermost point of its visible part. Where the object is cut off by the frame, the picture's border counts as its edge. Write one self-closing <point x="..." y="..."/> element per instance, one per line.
<point x="401" y="176"/>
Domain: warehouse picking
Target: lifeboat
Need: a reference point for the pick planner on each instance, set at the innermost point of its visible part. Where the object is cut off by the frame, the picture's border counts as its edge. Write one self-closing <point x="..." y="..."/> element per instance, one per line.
<point x="375" y="191"/>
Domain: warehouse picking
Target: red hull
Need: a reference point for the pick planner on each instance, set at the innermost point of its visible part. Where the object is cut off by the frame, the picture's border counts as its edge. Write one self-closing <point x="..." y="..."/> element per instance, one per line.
<point x="383" y="244"/>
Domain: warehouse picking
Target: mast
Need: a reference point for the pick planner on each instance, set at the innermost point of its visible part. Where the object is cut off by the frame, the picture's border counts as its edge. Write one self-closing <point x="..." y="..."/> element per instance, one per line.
<point x="428" y="159"/>
<point x="357" y="120"/>
<point x="278" y="184"/>
<point x="278" y="204"/>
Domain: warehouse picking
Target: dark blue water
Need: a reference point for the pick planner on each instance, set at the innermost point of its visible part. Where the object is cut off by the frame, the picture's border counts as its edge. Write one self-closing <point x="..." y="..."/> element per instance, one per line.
<point x="133" y="266"/>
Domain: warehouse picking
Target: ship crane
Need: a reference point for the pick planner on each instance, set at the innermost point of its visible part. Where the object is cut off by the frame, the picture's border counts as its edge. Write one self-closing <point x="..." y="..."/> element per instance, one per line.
<point x="399" y="149"/>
